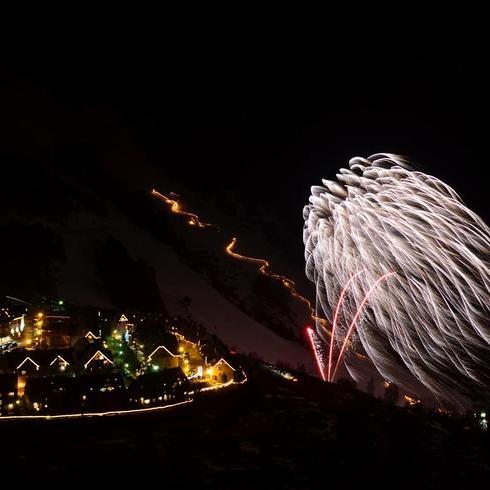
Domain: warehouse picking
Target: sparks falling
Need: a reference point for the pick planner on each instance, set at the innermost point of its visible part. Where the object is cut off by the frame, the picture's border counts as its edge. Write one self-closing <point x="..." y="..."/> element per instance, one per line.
<point x="402" y="268"/>
<point x="316" y="347"/>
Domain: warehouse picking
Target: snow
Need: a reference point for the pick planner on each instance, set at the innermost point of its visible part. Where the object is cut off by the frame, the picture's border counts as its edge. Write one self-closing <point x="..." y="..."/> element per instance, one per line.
<point x="79" y="284"/>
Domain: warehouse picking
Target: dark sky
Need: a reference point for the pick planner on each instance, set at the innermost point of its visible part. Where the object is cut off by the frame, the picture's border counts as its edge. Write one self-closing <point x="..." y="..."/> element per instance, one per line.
<point x="267" y="122"/>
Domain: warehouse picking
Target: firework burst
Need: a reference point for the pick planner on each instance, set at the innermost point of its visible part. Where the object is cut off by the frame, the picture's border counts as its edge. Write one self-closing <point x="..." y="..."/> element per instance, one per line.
<point x="401" y="268"/>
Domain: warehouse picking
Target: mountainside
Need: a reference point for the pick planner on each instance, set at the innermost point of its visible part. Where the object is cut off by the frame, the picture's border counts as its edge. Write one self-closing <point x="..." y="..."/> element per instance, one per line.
<point x="78" y="222"/>
<point x="126" y="249"/>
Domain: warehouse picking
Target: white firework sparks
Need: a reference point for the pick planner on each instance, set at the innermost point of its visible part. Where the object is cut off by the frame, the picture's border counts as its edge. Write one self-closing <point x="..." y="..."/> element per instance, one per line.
<point x="401" y="268"/>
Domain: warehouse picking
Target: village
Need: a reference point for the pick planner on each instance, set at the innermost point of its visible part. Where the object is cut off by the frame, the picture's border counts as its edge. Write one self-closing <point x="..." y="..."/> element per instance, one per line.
<point x="60" y="359"/>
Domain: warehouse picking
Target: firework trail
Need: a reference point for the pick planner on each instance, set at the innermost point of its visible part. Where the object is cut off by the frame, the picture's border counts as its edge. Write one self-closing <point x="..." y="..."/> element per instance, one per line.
<point x="401" y="268"/>
<point x="316" y="347"/>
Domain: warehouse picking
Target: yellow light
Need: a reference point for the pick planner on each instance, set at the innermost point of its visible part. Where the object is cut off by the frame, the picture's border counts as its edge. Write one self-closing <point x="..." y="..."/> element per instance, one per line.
<point x="95" y="414"/>
<point x="209" y="372"/>
<point x="40" y="314"/>
<point x="181" y="349"/>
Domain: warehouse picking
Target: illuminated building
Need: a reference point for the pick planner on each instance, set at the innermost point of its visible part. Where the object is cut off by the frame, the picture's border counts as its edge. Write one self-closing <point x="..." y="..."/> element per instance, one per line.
<point x="91" y="337"/>
<point x="122" y="329"/>
<point x="97" y="361"/>
<point x="163" y="358"/>
<point x="221" y="372"/>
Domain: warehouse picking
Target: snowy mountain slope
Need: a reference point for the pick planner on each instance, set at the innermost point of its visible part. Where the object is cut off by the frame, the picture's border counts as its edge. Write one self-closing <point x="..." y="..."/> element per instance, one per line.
<point x="79" y="283"/>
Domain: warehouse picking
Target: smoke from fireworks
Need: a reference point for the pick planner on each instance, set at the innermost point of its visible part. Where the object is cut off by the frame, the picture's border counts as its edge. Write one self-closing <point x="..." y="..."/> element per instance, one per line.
<point x="401" y="268"/>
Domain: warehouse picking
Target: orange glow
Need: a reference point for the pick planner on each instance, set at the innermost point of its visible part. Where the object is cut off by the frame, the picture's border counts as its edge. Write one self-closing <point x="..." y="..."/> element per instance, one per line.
<point x="176" y="208"/>
<point x="120" y="412"/>
<point x="285" y="281"/>
<point x="264" y="268"/>
<point x="411" y="401"/>
<point x="21" y="384"/>
<point x="95" y="414"/>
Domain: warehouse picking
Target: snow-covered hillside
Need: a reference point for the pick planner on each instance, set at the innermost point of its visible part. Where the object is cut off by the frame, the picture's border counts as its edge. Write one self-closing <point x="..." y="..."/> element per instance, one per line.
<point x="79" y="283"/>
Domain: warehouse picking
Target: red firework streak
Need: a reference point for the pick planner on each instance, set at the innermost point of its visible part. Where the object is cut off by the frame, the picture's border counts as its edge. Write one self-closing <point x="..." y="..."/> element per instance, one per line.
<point x="311" y="333"/>
<point x="334" y="324"/>
<point x="356" y="316"/>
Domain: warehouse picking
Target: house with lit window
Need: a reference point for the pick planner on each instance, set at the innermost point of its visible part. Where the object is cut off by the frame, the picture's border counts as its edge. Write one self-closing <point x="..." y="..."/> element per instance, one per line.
<point x="28" y="366"/>
<point x="61" y="362"/>
<point x="222" y="371"/>
<point x="91" y="337"/>
<point x="97" y="360"/>
<point x="38" y="362"/>
<point x="161" y="358"/>
<point x="122" y="329"/>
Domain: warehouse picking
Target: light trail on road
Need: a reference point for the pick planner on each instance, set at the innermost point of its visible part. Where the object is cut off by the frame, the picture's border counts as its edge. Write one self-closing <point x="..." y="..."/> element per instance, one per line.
<point x="94" y="414"/>
<point x="264" y="265"/>
<point x="175" y="207"/>
<point x="285" y="281"/>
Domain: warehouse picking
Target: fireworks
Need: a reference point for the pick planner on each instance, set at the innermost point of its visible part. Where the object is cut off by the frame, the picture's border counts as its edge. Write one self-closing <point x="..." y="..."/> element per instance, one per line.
<point x="401" y="268"/>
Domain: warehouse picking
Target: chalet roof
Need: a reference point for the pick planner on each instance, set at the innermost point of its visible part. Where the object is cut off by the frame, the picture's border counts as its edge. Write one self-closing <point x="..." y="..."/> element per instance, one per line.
<point x="84" y="343"/>
<point x="223" y="360"/>
<point x="47" y="357"/>
<point x="10" y="360"/>
<point x="59" y="358"/>
<point x="28" y="362"/>
<point x="91" y="354"/>
<point x="43" y="360"/>
<point x="161" y="350"/>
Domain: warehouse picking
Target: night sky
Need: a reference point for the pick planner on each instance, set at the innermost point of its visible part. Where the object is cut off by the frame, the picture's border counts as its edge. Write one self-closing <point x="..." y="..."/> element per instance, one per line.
<point x="267" y="122"/>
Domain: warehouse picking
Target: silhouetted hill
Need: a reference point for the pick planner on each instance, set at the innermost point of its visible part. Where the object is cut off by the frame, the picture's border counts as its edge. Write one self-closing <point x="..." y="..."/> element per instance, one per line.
<point x="268" y="433"/>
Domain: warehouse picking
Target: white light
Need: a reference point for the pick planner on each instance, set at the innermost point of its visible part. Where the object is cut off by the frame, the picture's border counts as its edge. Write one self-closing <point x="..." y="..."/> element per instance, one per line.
<point x="381" y="216"/>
